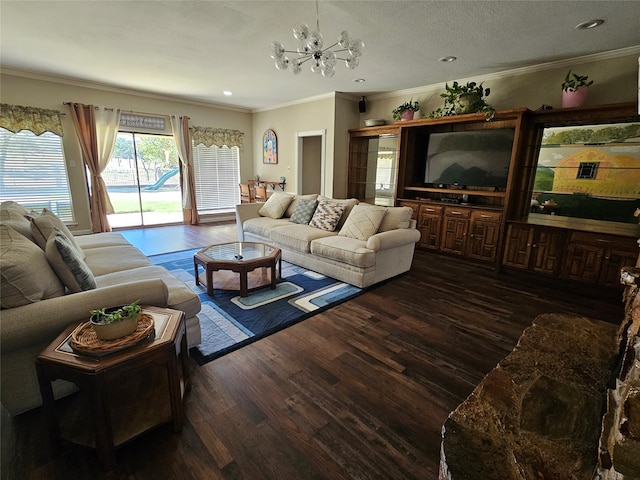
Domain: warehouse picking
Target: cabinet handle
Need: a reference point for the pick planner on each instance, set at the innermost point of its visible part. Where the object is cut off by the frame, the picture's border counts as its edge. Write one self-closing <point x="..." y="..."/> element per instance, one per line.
<point x="455" y="213"/>
<point x="602" y="240"/>
<point x="429" y="210"/>
<point x="534" y="245"/>
<point x="482" y="215"/>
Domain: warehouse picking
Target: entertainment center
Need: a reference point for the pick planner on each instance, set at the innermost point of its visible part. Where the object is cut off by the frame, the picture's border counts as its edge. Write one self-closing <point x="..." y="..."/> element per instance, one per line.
<point x="552" y="192"/>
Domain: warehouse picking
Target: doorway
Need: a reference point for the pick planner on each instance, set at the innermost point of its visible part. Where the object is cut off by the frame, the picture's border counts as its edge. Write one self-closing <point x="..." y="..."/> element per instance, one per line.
<point x="143" y="181"/>
<point x="311" y="162"/>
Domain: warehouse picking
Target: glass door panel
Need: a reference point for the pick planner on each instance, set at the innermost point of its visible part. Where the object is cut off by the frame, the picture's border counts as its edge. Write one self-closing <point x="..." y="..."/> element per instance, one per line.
<point x="143" y="181"/>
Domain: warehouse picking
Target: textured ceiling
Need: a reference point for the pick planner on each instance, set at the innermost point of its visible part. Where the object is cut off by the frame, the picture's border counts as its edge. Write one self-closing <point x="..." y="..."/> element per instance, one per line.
<point x="197" y="49"/>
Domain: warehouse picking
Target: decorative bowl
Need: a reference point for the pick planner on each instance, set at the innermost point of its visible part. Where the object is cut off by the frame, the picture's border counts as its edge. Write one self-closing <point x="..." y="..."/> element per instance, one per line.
<point x="373" y="122"/>
<point x="116" y="329"/>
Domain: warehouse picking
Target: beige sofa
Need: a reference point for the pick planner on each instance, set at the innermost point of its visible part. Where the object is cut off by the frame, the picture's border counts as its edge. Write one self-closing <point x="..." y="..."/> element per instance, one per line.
<point x="37" y="303"/>
<point x="368" y="244"/>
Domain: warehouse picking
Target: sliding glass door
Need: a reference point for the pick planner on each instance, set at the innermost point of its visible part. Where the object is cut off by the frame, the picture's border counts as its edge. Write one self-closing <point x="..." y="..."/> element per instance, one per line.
<point x="143" y="181"/>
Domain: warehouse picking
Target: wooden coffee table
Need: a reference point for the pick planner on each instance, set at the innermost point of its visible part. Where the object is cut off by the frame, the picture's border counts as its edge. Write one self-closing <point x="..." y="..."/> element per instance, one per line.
<point x="123" y="394"/>
<point x="240" y="257"/>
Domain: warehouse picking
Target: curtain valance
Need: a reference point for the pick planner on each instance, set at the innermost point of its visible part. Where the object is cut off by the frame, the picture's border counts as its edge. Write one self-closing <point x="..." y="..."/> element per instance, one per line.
<point x="37" y="120"/>
<point x="216" y="136"/>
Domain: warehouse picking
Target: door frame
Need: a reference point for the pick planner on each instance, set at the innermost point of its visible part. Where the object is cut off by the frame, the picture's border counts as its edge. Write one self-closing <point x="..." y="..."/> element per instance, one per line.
<point x="300" y="160"/>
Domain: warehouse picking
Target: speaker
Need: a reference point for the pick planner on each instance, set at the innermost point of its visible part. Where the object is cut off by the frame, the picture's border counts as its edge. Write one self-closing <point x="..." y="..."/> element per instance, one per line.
<point x="362" y="106"/>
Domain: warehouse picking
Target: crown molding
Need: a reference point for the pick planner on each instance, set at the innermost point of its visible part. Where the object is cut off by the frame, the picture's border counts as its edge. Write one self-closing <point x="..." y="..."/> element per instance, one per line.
<point x="569" y="62"/>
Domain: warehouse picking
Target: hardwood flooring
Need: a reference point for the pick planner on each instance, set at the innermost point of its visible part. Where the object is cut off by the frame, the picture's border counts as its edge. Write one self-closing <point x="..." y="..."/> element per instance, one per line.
<point x="357" y="392"/>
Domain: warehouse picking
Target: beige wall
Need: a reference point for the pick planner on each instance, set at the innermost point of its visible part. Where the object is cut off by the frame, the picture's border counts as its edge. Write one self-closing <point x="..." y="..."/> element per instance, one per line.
<point x="36" y="92"/>
<point x="615" y="77"/>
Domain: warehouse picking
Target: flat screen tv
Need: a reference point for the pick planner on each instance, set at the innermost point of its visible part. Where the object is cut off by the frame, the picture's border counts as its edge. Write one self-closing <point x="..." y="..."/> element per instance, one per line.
<point x="479" y="158"/>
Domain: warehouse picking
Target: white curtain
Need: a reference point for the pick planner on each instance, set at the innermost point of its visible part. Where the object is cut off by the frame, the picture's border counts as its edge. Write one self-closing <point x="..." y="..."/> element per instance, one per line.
<point x="107" y="125"/>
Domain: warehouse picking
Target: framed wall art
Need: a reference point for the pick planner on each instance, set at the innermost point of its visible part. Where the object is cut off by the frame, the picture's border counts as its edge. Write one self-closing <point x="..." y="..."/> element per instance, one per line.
<point x="270" y="147"/>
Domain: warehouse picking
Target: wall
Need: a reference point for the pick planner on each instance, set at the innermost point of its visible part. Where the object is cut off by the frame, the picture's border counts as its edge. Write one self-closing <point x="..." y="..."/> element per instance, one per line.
<point x="45" y="93"/>
<point x="615" y="76"/>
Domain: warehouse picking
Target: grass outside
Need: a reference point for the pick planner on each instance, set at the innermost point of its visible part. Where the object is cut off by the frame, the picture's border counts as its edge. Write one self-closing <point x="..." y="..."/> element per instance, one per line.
<point x="159" y="202"/>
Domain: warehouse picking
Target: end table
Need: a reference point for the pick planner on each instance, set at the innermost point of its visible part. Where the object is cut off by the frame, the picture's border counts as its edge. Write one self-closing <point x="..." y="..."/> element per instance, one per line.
<point x="124" y="393"/>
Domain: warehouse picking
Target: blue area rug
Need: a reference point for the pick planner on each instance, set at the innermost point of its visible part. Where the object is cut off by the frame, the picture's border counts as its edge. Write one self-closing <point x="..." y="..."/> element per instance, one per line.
<point x="229" y="321"/>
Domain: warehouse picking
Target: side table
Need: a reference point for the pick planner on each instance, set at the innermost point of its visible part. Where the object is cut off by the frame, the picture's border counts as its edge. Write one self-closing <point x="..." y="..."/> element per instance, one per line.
<point x="124" y="393"/>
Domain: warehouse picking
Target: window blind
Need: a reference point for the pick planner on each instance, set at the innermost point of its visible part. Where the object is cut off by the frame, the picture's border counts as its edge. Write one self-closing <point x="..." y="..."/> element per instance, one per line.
<point x="33" y="172"/>
<point x="216" y="175"/>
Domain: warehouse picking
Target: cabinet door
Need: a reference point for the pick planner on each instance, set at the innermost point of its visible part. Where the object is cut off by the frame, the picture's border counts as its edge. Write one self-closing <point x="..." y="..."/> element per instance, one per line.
<point x="582" y="262"/>
<point x="430" y="231"/>
<point x="373" y="166"/>
<point x="548" y="248"/>
<point x="517" y="251"/>
<point x="454" y="235"/>
<point x="484" y="235"/>
<point x="613" y="260"/>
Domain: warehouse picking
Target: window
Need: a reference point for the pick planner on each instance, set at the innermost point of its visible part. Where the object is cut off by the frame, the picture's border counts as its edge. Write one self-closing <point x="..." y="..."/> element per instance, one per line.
<point x="33" y="172"/>
<point x="587" y="170"/>
<point x="217" y="175"/>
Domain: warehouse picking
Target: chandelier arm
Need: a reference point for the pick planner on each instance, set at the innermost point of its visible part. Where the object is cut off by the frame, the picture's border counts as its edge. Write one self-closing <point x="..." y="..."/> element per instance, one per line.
<point x="330" y="47"/>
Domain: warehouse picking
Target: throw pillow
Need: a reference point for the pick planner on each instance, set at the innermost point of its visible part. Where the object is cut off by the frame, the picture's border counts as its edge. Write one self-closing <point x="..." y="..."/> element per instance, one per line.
<point x="304" y="211"/>
<point x="67" y="263"/>
<point x="362" y="222"/>
<point x="396" y="217"/>
<point x="327" y="215"/>
<point x="276" y="205"/>
<point x="348" y="203"/>
<point x="42" y="226"/>
<point x="25" y="275"/>
<point x="292" y="206"/>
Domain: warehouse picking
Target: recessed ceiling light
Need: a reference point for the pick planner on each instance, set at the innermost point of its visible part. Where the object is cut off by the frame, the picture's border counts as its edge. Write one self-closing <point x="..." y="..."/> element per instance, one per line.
<point x="359" y="80"/>
<point x="589" y="24"/>
<point x="447" y="59"/>
<point x="227" y="93"/>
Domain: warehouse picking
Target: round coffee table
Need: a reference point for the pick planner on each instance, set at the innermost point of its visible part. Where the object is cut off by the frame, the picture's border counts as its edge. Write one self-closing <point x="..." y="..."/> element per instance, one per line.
<point x="240" y="257"/>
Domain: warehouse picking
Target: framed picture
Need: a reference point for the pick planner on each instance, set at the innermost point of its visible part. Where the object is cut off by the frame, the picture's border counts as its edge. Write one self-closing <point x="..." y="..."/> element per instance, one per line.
<point x="269" y="147"/>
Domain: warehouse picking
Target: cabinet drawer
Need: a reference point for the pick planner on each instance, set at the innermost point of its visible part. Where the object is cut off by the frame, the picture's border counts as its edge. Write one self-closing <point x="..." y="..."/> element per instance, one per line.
<point x="457" y="212"/>
<point x="605" y="241"/>
<point x="430" y="210"/>
<point x="486" y="215"/>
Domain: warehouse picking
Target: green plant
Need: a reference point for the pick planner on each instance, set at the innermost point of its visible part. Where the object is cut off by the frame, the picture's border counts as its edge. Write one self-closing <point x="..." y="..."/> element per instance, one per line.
<point x="459" y="99"/>
<point x="572" y="82"/>
<point x="410" y="105"/>
<point x="106" y="315"/>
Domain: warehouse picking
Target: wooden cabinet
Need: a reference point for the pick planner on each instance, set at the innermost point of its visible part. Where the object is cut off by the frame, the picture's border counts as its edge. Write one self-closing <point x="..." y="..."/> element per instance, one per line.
<point x="534" y="248"/>
<point x="429" y="223"/>
<point x="596" y="258"/>
<point x="455" y="229"/>
<point x="484" y="235"/>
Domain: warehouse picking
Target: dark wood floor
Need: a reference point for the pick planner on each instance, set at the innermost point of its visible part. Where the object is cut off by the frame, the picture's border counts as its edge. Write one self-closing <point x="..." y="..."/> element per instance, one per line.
<point x="357" y="392"/>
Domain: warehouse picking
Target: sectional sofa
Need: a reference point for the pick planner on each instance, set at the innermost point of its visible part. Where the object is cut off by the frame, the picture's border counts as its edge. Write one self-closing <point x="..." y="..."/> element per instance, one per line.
<point x="51" y="279"/>
<point x="357" y="243"/>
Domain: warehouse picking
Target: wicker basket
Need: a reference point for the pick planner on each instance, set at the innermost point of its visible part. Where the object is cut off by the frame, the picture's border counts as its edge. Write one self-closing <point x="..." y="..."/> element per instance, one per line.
<point x="85" y="340"/>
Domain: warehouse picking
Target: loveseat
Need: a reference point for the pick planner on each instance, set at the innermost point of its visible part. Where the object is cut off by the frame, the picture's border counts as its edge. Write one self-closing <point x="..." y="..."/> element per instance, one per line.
<point x="356" y="243"/>
<point x="51" y="279"/>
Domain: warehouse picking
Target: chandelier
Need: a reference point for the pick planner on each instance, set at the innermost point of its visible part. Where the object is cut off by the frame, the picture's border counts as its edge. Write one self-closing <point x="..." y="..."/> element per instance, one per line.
<point x="310" y="48"/>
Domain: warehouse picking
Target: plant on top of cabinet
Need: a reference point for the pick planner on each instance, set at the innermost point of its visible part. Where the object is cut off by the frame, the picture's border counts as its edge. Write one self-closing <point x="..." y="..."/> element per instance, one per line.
<point x="406" y="110"/>
<point x="460" y="99"/>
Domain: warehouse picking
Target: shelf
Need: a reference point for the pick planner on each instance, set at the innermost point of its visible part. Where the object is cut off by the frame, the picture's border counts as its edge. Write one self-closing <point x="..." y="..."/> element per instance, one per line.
<point x="480" y="193"/>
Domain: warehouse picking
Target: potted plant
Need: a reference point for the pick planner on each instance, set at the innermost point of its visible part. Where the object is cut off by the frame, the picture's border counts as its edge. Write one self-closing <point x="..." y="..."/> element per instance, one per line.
<point x="574" y="89"/>
<point x="406" y="110"/>
<point x="460" y="99"/>
<point x="115" y="322"/>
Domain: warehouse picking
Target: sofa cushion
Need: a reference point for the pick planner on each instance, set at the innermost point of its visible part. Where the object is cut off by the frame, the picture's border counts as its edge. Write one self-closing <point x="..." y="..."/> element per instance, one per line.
<point x="344" y="249"/>
<point x="304" y="211"/>
<point x="348" y="203"/>
<point x="26" y="276"/>
<point x="105" y="260"/>
<point x="44" y="225"/>
<point x="327" y="215"/>
<point x="67" y="263"/>
<point x="363" y="221"/>
<point x="181" y="297"/>
<point x="396" y="217"/>
<point x="294" y="203"/>
<point x="297" y="237"/>
<point x="262" y="226"/>
<point x="276" y="205"/>
<point x="12" y="216"/>
<point x="96" y="240"/>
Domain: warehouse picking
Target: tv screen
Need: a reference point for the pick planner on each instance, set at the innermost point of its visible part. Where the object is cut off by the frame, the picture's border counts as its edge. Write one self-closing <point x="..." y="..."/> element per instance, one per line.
<point x="480" y="158"/>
